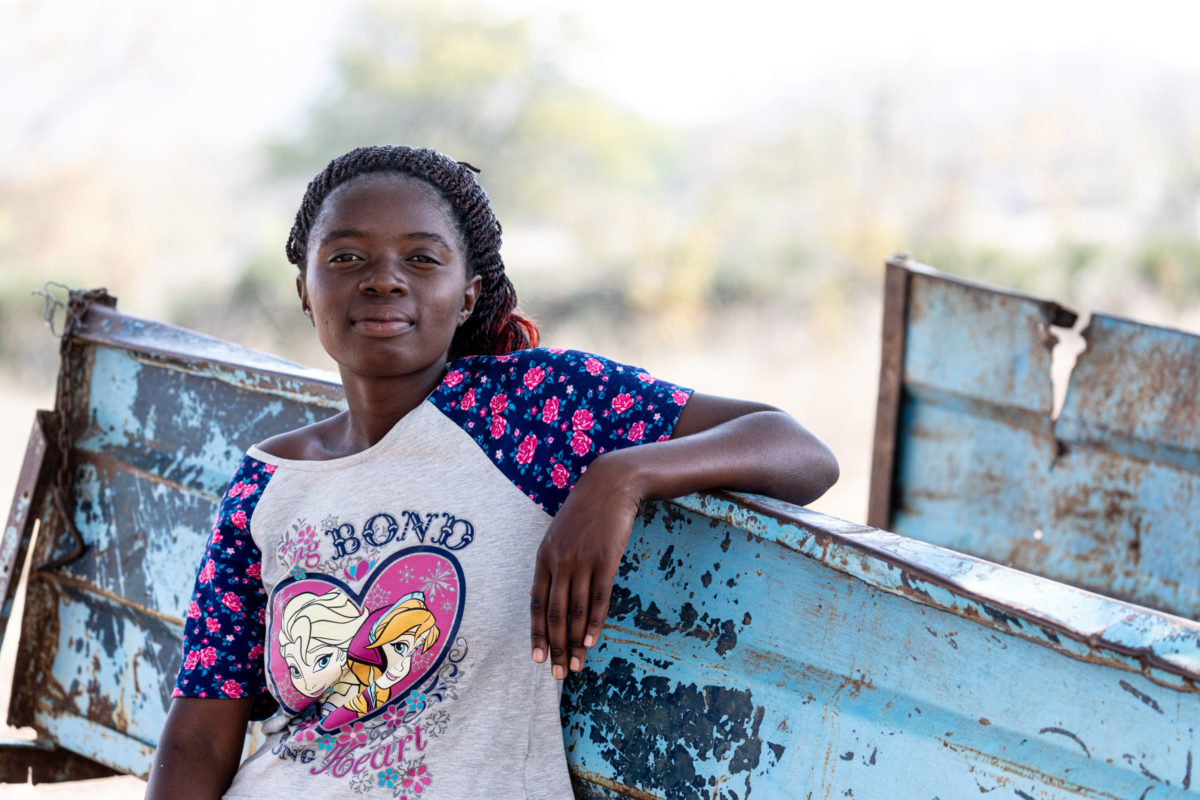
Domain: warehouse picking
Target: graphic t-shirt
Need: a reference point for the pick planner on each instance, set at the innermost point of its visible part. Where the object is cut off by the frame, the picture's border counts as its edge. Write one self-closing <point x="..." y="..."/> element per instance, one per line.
<point x="380" y="601"/>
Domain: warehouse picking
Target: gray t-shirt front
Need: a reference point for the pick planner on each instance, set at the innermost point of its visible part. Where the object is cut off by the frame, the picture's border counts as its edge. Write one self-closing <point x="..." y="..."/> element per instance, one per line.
<point x="380" y="600"/>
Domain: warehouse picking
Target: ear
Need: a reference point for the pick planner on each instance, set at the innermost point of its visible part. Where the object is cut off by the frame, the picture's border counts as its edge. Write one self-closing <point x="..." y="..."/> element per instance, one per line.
<point x="302" y="290"/>
<point x="470" y="296"/>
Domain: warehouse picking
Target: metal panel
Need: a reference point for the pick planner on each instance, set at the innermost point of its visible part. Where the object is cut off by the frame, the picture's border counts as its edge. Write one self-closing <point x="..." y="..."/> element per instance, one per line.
<point x="755" y="650"/>
<point x="1105" y="497"/>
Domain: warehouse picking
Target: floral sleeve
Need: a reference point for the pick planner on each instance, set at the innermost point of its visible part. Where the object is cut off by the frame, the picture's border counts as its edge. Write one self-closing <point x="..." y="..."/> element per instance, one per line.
<point x="223" y="629"/>
<point x="543" y="415"/>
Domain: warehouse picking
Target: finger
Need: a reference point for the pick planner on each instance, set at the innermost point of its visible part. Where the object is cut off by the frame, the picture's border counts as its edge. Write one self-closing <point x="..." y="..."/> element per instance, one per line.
<point x="577" y="621"/>
<point x="556" y="623"/>
<point x="601" y="595"/>
<point x="537" y="612"/>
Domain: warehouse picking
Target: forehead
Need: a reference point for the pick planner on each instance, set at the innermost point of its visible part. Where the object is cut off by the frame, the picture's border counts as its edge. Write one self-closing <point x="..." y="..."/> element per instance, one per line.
<point x="387" y="202"/>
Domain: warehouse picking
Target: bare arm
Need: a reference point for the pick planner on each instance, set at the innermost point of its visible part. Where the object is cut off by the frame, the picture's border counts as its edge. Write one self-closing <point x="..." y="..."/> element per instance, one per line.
<point x="717" y="443"/>
<point x="199" y="750"/>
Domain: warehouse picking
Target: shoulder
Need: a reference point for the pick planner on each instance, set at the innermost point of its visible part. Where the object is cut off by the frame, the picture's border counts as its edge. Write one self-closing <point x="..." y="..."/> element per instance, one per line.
<point x="310" y="443"/>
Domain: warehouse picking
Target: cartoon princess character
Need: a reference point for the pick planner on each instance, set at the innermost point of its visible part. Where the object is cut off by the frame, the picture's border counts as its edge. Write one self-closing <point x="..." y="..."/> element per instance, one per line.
<point x="314" y="636"/>
<point x="383" y="658"/>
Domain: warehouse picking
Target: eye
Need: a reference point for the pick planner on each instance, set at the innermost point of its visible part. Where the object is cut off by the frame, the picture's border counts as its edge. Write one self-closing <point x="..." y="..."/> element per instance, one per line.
<point x="322" y="662"/>
<point x="401" y="648"/>
<point x="295" y="672"/>
<point x="423" y="260"/>
<point x="344" y="258"/>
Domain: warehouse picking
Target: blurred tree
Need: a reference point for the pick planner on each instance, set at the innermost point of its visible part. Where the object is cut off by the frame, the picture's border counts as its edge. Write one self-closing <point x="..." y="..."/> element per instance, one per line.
<point x="555" y="156"/>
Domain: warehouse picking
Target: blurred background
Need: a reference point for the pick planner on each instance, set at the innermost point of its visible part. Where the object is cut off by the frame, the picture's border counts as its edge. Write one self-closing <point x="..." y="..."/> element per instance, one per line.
<point x="708" y="194"/>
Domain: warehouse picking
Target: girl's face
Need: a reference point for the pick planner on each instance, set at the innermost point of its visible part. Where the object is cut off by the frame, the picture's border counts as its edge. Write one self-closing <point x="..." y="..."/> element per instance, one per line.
<point x="314" y="672"/>
<point x="386" y="281"/>
<point x="397" y="657"/>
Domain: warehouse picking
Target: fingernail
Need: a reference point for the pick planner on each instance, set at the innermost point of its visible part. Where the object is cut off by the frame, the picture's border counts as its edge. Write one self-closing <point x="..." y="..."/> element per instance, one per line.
<point x="589" y="640"/>
<point x="539" y="655"/>
<point x="558" y="672"/>
<point x="575" y="665"/>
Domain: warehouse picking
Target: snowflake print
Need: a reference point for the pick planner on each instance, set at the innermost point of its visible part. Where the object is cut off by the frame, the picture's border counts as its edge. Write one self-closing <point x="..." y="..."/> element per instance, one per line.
<point x="438" y="580"/>
<point x="362" y="782"/>
<point x="406" y="574"/>
<point x="448" y="605"/>
<point x="435" y="723"/>
<point x="389" y="777"/>
<point x="378" y="596"/>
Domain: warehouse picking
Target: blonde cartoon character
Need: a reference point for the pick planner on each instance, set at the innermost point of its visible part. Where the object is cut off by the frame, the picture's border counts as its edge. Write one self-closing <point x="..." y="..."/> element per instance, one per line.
<point x="314" y="636"/>
<point x="383" y="658"/>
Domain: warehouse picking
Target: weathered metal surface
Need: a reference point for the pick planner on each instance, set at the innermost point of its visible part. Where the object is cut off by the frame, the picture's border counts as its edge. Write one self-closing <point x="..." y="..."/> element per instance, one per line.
<point x="1105" y="497"/>
<point x="753" y="650"/>
<point x="757" y="650"/>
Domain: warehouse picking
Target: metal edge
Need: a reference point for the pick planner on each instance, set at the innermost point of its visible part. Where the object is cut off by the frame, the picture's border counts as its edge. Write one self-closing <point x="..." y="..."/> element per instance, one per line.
<point x="891" y="383"/>
<point x="18" y="531"/>
<point x="826" y="538"/>
<point x="108" y="326"/>
<point x="36" y="762"/>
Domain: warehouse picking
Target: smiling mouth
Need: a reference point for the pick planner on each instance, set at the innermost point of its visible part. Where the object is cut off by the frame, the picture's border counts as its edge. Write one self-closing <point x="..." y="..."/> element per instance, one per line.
<point x="382" y="323"/>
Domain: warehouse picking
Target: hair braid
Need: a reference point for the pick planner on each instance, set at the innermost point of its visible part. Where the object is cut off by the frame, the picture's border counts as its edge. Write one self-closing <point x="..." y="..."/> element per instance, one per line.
<point x="494" y="327"/>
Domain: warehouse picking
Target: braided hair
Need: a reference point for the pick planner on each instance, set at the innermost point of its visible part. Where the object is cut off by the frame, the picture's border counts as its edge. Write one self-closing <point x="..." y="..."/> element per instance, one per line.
<point x="494" y="328"/>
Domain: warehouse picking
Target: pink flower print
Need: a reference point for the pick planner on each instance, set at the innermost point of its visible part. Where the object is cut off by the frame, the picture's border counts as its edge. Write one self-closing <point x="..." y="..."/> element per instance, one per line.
<point x="534" y="376"/>
<point x="238" y="518"/>
<point x="269" y="469"/>
<point x="557" y="350"/>
<point x="417" y="779"/>
<point x="645" y="377"/>
<point x="559" y="476"/>
<point x="254" y="571"/>
<point x="249" y="489"/>
<point x="679" y="397"/>
<point x="306" y="734"/>
<point x="208" y="657"/>
<point x="581" y="443"/>
<point x="393" y="716"/>
<point x="581" y="420"/>
<point x="235" y="490"/>
<point x="636" y="431"/>
<point x="193" y="610"/>
<point x="209" y="572"/>
<point x="212" y="624"/>
<point x="454" y="377"/>
<point x="526" y="448"/>
<point x="176" y="693"/>
<point x="231" y="688"/>
<point x="622" y="403"/>
<point x="593" y="366"/>
<point x="468" y="400"/>
<point x="550" y="410"/>
<point x="193" y="657"/>
<point x="255" y="652"/>
<point x="232" y="601"/>
<point x="499" y="403"/>
<point x="498" y="426"/>
<point x="354" y="736"/>
<point x="216" y="537"/>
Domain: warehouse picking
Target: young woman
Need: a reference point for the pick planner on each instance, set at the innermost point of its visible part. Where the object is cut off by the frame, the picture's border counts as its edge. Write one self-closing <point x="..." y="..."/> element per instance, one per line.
<point x="498" y="480"/>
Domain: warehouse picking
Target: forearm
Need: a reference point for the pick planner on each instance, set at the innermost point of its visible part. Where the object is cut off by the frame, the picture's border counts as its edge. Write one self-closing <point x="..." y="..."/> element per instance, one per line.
<point x="199" y="749"/>
<point x="764" y="451"/>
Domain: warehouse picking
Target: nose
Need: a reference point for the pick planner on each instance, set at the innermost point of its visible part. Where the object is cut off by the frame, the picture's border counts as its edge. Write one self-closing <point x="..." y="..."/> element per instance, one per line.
<point x="386" y="276"/>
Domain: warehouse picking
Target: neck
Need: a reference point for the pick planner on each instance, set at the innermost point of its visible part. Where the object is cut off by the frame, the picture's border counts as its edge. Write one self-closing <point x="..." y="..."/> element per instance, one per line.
<point x="375" y="405"/>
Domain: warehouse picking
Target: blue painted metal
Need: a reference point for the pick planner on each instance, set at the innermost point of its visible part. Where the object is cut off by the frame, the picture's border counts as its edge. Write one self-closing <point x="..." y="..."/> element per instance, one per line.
<point x="754" y="649"/>
<point x="1105" y="497"/>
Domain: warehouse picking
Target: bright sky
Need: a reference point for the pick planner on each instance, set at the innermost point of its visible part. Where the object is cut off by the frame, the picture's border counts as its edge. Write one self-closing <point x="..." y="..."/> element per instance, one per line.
<point x="230" y="70"/>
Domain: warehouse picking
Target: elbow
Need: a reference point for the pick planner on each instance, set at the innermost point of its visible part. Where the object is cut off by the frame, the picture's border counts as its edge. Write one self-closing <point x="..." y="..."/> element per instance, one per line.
<point x="819" y="474"/>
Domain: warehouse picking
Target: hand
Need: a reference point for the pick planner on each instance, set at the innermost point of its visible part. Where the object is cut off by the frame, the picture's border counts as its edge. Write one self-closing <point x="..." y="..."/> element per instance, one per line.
<point x="577" y="562"/>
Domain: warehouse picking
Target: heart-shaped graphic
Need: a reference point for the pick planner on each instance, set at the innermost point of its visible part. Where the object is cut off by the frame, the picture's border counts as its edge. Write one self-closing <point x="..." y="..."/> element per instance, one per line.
<point x="358" y="571"/>
<point x="358" y="653"/>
